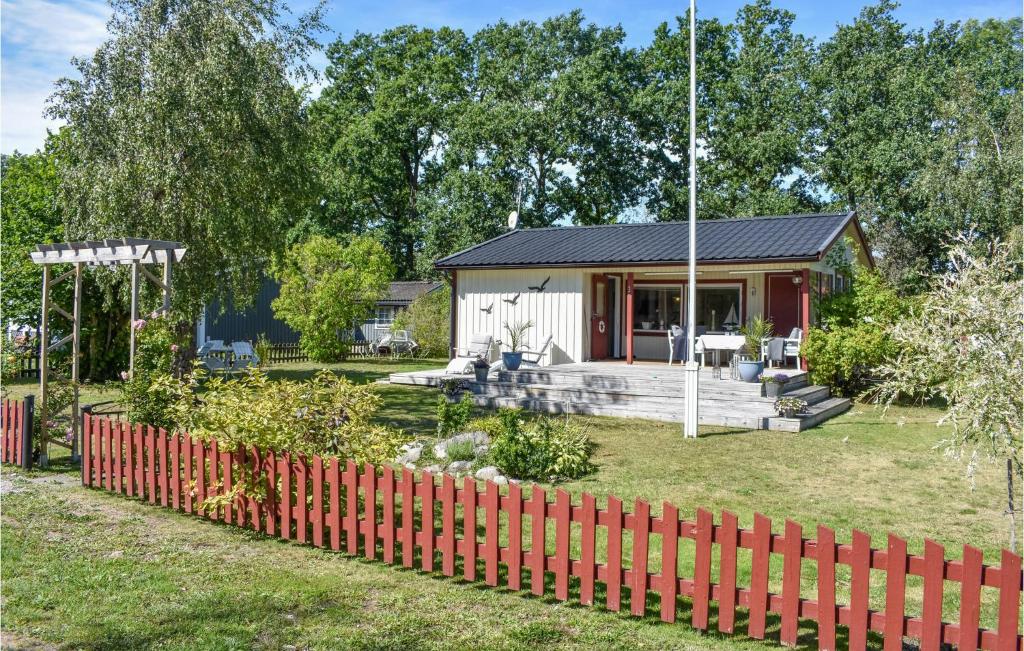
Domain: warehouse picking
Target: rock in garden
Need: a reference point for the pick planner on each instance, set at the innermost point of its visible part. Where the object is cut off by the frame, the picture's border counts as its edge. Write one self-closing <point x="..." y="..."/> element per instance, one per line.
<point x="501" y="480"/>
<point x="488" y="473"/>
<point x="433" y="468"/>
<point x="477" y="439"/>
<point x="411" y="455"/>
<point x="459" y="467"/>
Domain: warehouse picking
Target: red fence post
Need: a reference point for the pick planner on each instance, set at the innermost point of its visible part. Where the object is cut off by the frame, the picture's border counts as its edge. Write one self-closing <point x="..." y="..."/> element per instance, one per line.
<point x="272" y="501"/>
<point x="638" y="582"/>
<point x="791" y="582"/>
<point x="563" y="520"/>
<point x="729" y="540"/>
<point x="538" y="522"/>
<point x="408" y="517"/>
<point x="117" y="461"/>
<point x="515" y="537"/>
<point x="351" y="507"/>
<point x="447" y="525"/>
<point x="669" y="583"/>
<point x="163" y="469"/>
<point x="826" y="556"/>
<point x="1009" y="601"/>
<point x="151" y="464"/>
<point x="317" y="514"/>
<point x="427" y="491"/>
<point x="301" y="470"/>
<point x="491" y="524"/>
<point x="369" y="511"/>
<point x="931" y="607"/>
<point x="970" y="599"/>
<point x="387" y="526"/>
<point x="860" y="577"/>
<point x="86" y="444"/>
<point x="588" y="549"/>
<point x="760" y="560"/>
<point x="702" y="569"/>
<point x="227" y="483"/>
<point x="895" y="592"/>
<point x="129" y="458"/>
<point x="613" y="571"/>
<point x="469" y="528"/>
<point x="140" y="460"/>
<point x="108" y="454"/>
<point x="334" y="481"/>
<point x="212" y="486"/>
<point x="285" y="498"/>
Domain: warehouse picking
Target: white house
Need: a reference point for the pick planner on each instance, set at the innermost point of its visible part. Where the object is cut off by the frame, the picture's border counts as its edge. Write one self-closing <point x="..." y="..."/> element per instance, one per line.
<point x="613" y="292"/>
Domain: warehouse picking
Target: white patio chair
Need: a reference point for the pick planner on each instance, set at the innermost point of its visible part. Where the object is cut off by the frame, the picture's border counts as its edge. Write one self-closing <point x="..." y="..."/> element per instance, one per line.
<point x="244" y="355"/>
<point x="532" y="358"/>
<point x="383" y="342"/>
<point x="479" y="346"/>
<point x="402" y="343"/>
<point x="791" y="348"/>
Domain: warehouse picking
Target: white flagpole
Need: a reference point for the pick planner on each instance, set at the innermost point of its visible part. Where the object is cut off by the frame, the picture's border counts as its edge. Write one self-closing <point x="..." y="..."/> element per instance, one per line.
<point x="692" y="370"/>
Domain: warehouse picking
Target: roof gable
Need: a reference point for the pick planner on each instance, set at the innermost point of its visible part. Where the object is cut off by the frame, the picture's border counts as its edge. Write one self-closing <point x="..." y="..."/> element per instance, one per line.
<point x="751" y="239"/>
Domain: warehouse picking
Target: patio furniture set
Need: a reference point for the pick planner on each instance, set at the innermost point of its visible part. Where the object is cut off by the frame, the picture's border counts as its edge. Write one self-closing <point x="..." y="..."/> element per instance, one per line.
<point x="774" y="350"/>
<point x="217" y="357"/>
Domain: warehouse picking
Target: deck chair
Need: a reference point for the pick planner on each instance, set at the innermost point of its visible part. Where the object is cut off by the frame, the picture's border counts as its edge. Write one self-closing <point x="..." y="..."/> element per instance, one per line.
<point x="791" y="347"/>
<point x="532" y="358"/>
<point x="245" y="356"/>
<point x="462" y="363"/>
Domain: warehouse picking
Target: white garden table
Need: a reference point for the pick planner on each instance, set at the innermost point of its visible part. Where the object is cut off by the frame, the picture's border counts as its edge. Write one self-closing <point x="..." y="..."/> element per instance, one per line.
<point x="722" y="342"/>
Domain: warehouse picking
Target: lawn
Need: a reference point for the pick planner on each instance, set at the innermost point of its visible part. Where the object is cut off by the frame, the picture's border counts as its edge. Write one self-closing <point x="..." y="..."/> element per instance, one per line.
<point x="97" y="571"/>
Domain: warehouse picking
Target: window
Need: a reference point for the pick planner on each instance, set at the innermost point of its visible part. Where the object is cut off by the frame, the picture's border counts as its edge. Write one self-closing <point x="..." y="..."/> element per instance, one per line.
<point x="384" y="315"/>
<point x="718" y="308"/>
<point x="656" y="307"/>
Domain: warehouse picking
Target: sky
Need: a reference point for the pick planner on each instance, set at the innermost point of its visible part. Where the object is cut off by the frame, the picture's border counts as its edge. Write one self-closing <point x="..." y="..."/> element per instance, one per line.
<point x="38" y="38"/>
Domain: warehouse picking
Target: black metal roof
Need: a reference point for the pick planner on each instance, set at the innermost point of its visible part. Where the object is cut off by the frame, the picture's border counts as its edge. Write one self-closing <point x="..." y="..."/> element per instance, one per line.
<point x="745" y="239"/>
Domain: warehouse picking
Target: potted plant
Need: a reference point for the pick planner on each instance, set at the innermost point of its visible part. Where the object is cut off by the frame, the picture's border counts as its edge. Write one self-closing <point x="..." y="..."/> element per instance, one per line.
<point x="480" y="369"/>
<point x="751" y="365"/>
<point x="774" y="385"/>
<point x="452" y="388"/>
<point x="516" y="333"/>
<point x="790" y="407"/>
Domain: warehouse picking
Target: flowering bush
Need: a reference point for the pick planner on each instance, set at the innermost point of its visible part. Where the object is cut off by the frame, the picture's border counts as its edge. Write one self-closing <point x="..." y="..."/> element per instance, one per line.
<point x="777" y="378"/>
<point x="158" y="349"/>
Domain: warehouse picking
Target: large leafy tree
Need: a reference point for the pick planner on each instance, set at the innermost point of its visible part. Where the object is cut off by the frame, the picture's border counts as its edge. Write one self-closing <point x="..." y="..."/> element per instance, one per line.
<point x="327" y="287"/>
<point x="185" y="125"/>
<point x="877" y="86"/>
<point x="382" y="124"/>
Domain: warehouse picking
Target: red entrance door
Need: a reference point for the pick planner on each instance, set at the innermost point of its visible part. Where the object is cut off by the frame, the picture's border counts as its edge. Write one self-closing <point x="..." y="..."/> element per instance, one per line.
<point x="783" y="303"/>
<point x="600" y="325"/>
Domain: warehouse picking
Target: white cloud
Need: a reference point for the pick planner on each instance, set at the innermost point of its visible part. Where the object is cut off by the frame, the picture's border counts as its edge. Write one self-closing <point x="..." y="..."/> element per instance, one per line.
<point x="39" y="39"/>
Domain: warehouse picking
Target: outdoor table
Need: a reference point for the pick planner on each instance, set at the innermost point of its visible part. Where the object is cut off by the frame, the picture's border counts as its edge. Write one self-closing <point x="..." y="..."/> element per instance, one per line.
<point x="719" y="343"/>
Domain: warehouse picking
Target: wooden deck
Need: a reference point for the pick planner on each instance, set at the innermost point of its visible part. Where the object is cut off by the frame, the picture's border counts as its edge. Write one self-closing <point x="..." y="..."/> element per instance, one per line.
<point x="642" y="390"/>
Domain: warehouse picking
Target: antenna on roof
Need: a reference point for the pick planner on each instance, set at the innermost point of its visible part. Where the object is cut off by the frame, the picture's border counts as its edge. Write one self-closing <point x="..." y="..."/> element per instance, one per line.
<point x="513" y="217"/>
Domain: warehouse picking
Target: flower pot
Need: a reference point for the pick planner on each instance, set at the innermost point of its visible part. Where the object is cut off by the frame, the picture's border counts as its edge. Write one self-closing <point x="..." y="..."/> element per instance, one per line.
<point x="751" y="370"/>
<point x="481" y="373"/>
<point x="773" y="389"/>
<point x="512" y="360"/>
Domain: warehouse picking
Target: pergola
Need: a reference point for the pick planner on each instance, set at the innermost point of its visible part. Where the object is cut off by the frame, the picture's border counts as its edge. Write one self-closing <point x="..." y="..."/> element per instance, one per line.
<point x="139" y="253"/>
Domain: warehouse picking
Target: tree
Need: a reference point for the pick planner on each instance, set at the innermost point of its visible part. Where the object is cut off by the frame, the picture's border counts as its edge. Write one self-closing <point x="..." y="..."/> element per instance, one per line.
<point x="327" y="288"/>
<point x="877" y="85"/>
<point x="382" y="123"/>
<point x="428" y="320"/>
<point x="963" y="346"/>
<point x="31" y="216"/>
<point x="185" y="126"/>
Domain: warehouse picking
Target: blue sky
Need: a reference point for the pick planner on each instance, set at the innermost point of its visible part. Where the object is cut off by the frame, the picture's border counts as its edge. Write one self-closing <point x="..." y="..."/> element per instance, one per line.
<point x="39" y="37"/>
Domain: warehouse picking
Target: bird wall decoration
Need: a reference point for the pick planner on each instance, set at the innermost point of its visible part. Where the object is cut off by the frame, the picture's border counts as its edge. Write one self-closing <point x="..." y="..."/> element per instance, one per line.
<point x="511" y="301"/>
<point x="488" y="308"/>
<point x="540" y="288"/>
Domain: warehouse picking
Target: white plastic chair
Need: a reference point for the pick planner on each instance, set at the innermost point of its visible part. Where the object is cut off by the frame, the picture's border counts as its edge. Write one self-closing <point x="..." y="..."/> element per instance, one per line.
<point x="479" y="346"/>
<point x="532" y="358"/>
<point x="791" y="348"/>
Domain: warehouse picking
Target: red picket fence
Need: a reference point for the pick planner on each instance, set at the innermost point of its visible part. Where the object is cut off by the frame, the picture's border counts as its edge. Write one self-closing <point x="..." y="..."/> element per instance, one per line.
<point x="377" y="514"/>
<point x="16" y="431"/>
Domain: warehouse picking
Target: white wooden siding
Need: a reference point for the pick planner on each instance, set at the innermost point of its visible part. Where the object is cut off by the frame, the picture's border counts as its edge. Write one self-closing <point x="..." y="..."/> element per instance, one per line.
<point x="557" y="311"/>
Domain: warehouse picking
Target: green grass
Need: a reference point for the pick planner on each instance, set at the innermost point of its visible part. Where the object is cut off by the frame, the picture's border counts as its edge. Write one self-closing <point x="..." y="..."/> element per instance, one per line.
<point x="96" y="571"/>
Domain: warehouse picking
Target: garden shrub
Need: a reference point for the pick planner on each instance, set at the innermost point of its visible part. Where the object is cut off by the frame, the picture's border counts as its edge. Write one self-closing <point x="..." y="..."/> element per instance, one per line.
<point x="541" y="449"/>
<point x="427" y="319"/>
<point x="326" y="286"/>
<point x="327" y="415"/>
<point x="453" y="417"/>
<point x="147" y="395"/>
<point x="853" y="335"/>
